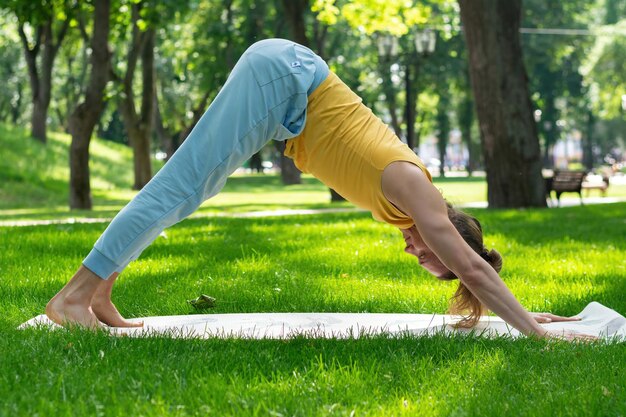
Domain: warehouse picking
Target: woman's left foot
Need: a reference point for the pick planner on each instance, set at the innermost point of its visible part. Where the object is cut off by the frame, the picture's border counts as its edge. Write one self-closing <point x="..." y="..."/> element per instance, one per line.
<point x="106" y="312"/>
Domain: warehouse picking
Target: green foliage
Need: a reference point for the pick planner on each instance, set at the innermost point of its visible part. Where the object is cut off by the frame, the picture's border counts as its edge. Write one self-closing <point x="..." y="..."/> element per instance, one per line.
<point x="605" y="68"/>
<point x="553" y="62"/>
<point x="370" y="16"/>
<point x="13" y="71"/>
<point x="199" y="41"/>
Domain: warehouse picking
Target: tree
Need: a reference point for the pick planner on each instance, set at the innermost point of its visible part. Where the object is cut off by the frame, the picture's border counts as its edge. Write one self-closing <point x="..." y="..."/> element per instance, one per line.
<point x="605" y="86"/>
<point x="553" y="63"/>
<point x="443" y="130"/>
<point x="139" y="123"/>
<point x="465" y="115"/>
<point x="194" y="58"/>
<point x="12" y="70"/>
<point x="499" y="81"/>
<point x="197" y="50"/>
<point x="379" y="18"/>
<point x="70" y="78"/>
<point x="42" y="26"/>
<point x="294" y="16"/>
<point x="83" y="119"/>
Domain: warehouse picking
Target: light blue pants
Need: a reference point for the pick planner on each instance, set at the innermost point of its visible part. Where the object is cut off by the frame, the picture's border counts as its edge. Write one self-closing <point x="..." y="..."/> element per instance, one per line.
<point x="264" y="98"/>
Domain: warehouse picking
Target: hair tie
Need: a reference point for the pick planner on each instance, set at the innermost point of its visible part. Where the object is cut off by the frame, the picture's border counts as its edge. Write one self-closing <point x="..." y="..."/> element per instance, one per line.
<point x="485" y="255"/>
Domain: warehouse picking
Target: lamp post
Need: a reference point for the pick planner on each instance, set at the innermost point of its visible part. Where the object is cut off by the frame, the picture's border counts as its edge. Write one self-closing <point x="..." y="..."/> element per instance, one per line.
<point x="387" y="50"/>
<point x="424" y="45"/>
<point x="387" y="46"/>
<point x="424" y="42"/>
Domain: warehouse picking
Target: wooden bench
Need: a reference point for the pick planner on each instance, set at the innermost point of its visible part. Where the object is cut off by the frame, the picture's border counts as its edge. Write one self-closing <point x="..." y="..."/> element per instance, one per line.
<point x="565" y="182"/>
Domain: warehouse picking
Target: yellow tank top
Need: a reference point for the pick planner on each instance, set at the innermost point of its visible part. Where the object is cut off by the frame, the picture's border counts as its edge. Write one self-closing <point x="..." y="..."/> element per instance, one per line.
<point x="347" y="147"/>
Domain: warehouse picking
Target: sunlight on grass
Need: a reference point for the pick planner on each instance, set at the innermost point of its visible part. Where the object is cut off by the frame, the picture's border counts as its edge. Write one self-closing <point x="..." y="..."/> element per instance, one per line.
<point x="554" y="260"/>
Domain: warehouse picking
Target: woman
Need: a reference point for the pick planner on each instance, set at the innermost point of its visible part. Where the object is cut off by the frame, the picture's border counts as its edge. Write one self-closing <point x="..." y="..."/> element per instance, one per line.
<point x="273" y="90"/>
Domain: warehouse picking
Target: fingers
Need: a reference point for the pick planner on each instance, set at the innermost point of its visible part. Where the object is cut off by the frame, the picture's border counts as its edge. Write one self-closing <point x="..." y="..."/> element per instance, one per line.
<point x="549" y="318"/>
<point x="554" y="317"/>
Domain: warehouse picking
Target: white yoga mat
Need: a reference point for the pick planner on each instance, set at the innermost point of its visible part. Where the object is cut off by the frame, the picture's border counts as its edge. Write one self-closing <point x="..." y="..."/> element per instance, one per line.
<point x="597" y="320"/>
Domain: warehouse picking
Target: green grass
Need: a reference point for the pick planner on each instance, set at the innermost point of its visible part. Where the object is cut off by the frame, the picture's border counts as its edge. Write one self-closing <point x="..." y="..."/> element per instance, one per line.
<point x="556" y="260"/>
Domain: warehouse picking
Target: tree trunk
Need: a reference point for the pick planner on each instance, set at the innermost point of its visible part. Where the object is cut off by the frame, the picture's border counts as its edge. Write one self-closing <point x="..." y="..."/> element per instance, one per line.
<point x="198" y="111"/>
<point x="443" y="126"/>
<point x="390" y="95"/>
<point x="139" y="126"/>
<point x="16" y="109"/>
<point x="549" y="129"/>
<point x="38" y="120"/>
<point x="85" y="116"/>
<point x="499" y="81"/>
<point x="41" y="78"/>
<point x="289" y="173"/>
<point x="143" y="165"/>
<point x="164" y="138"/>
<point x="466" y="118"/>
<point x="409" y="112"/>
<point x="256" y="163"/>
<point x="294" y="14"/>
<point x="588" y="142"/>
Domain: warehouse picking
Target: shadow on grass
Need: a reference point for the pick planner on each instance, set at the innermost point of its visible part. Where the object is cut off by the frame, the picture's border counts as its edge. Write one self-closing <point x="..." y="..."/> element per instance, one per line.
<point x="223" y="254"/>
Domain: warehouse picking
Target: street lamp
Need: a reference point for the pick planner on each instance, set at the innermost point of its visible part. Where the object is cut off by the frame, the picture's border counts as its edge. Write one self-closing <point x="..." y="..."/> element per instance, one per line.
<point x="387" y="45"/>
<point x="425" y="42"/>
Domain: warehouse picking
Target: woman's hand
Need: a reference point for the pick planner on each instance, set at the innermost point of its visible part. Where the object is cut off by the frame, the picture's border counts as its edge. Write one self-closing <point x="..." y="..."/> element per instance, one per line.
<point x="568" y="335"/>
<point x="551" y="318"/>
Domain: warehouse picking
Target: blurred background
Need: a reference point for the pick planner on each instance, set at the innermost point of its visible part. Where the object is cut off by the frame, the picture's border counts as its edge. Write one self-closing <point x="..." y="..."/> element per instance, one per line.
<point x="408" y="60"/>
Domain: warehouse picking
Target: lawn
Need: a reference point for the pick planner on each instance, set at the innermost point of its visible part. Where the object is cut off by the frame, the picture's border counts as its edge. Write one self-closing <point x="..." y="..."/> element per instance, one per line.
<point x="557" y="260"/>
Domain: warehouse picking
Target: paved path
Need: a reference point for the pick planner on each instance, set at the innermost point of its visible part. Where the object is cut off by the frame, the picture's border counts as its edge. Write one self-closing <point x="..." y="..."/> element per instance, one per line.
<point x="280" y="213"/>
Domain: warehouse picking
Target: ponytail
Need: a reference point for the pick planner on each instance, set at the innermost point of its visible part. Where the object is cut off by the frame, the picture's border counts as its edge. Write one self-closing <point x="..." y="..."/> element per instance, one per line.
<point x="464" y="302"/>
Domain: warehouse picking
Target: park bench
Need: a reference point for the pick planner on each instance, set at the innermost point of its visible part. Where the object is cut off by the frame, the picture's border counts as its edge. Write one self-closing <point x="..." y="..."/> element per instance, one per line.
<point x="565" y="182"/>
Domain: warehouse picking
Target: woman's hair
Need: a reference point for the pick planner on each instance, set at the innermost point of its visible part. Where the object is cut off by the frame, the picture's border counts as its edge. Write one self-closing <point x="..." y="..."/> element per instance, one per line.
<point x="464" y="302"/>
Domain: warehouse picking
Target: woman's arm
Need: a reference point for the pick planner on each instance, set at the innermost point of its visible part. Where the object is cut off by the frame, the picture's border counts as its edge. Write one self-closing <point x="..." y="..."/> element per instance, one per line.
<point x="407" y="187"/>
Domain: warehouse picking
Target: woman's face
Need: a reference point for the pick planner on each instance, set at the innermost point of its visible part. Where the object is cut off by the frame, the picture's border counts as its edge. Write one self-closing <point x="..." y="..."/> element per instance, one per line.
<point x="415" y="246"/>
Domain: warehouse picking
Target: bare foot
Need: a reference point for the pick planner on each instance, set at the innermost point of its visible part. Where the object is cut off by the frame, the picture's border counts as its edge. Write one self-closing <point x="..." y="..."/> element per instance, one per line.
<point x="104" y="308"/>
<point x="106" y="312"/>
<point x="64" y="311"/>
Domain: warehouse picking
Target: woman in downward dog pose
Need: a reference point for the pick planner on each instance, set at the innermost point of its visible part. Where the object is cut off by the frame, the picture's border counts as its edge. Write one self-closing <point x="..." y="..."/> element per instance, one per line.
<point x="283" y="91"/>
